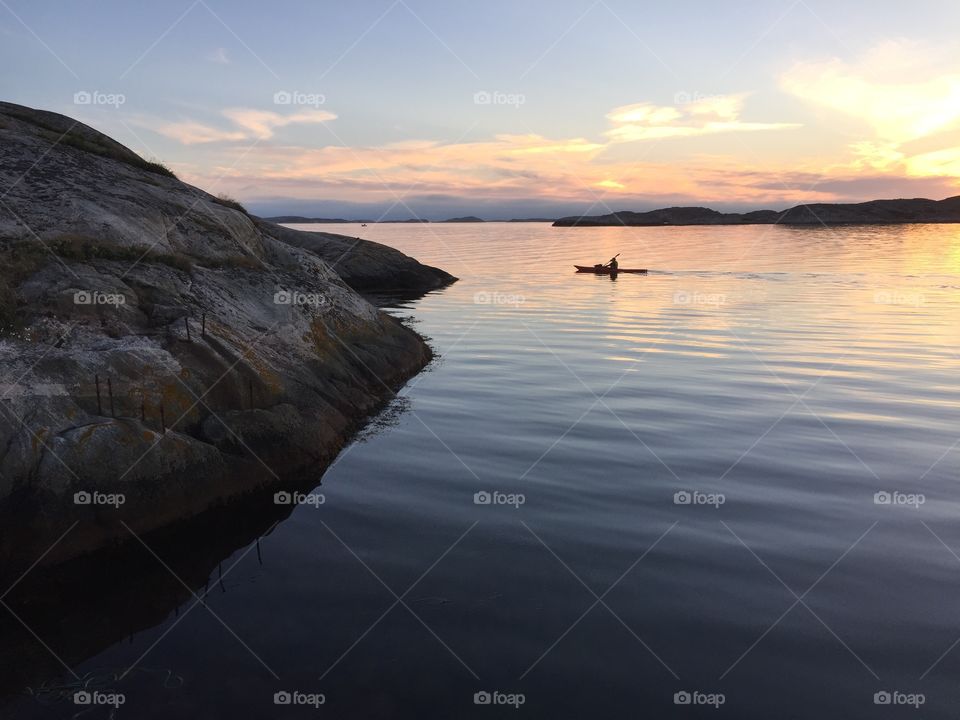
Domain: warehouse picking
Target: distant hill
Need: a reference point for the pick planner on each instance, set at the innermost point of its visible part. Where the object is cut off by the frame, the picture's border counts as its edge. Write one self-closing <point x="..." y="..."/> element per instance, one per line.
<point x="467" y="219"/>
<point x="916" y="210"/>
<point x="301" y="219"/>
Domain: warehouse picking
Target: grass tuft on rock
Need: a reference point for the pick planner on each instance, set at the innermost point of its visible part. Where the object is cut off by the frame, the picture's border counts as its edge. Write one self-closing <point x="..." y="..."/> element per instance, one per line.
<point x="227" y="201"/>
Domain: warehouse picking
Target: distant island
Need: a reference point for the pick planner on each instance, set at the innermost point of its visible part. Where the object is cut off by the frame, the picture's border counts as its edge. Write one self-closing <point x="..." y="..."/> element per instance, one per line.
<point x="916" y="210"/>
<point x="304" y="220"/>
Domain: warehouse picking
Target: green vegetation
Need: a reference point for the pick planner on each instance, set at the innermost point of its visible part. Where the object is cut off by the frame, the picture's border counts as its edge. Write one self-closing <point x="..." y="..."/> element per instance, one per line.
<point x="82" y="247"/>
<point x="130" y="158"/>
<point x="227" y="201"/>
<point x="240" y="262"/>
<point x="19" y="259"/>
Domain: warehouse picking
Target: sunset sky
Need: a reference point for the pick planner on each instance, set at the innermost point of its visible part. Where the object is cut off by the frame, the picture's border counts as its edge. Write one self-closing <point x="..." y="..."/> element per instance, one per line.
<point x="508" y="108"/>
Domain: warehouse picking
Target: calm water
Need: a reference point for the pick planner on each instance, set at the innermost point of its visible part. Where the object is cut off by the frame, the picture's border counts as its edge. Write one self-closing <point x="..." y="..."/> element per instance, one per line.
<point x="781" y="378"/>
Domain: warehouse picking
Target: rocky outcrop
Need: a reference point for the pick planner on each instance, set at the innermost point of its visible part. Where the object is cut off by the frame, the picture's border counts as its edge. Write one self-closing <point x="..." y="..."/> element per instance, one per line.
<point x="364" y="265"/>
<point x="917" y="210"/>
<point x="163" y="351"/>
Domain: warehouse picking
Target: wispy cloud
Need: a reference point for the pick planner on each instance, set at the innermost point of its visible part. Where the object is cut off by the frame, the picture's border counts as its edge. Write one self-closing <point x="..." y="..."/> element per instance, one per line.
<point x="703" y="116"/>
<point x="192" y="133"/>
<point x="219" y="56"/>
<point x="246" y="124"/>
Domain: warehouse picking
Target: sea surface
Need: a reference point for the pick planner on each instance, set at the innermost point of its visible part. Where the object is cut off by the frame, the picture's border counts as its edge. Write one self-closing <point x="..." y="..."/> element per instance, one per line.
<point x="727" y="488"/>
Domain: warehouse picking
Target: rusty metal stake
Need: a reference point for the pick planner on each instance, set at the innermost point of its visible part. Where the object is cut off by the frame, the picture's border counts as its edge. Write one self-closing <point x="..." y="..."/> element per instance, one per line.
<point x="110" y="393"/>
<point x="96" y="379"/>
<point x="163" y="421"/>
<point x="186" y="324"/>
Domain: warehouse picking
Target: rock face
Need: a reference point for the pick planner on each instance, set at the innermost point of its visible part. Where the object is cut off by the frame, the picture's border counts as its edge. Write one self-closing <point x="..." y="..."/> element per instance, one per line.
<point x="362" y="264"/>
<point x="917" y="210"/>
<point x="162" y="347"/>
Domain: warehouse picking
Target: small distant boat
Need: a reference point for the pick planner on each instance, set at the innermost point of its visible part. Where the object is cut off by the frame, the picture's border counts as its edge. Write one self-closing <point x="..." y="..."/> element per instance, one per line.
<point x="363" y="224"/>
<point x="603" y="270"/>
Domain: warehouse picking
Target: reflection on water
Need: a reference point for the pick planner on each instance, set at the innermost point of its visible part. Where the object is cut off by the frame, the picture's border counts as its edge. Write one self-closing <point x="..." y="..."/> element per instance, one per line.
<point x="738" y="476"/>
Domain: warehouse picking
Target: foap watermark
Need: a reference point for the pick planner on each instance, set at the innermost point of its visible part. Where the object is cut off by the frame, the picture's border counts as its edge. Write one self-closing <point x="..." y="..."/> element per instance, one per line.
<point x="695" y="497"/>
<point x="896" y="697"/>
<point x="85" y="497"/>
<point x="295" y="97"/>
<point x="297" y="498"/>
<point x="495" y="97"/>
<point x="687" y="297"/>
<point x="495" y="497"/>
<point x="909" y="298"/>
<point x="295" y="697"/>
<point x="495" y="697"/>
<point x="96" y="697"/>
<point x="696" y="697"/>
<point x="498" y="298"/>
<point x="895" y="497"/>
<point x="295" y="297"/>
<point x="686" y="97"/>
<point x="95" y="97"/>
<point x="93" y="297"/>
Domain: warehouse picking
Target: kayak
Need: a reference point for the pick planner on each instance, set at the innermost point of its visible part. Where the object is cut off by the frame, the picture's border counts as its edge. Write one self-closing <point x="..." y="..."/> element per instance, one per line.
<point x="600" y="270"/>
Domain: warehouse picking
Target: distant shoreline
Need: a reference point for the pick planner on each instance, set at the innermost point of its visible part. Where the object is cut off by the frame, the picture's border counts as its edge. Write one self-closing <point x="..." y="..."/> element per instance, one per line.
<point x="301" y="220"/>
<point x="872" y="212"/>
<point x="884" y="212"/>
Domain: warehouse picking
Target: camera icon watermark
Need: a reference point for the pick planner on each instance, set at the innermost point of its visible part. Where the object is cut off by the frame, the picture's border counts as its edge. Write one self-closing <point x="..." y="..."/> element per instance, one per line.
<point x="295" y="297"/>
<point x="96" y="697"/>
<point x="908" y="298"/>
<point x="88" y="297"/>
<point x="689" y="297"/>
<point x="295" y="697"/>
<point x="297" y="498"/>
<point x="896" y="697"/>
<point x="495" y="497"/>
<point x="687" y="97"/>
<point x="85" y="497"/>
<point x="498" y="298"/>
<point x="895" y="497"/>
<point x="695" y="497"/>
<point x="95" y="97"/>
<point x="696" y="697"/>
<point x="495" y="697"/>
<point x="495" y="97"/>
<point x="295" y="97"/>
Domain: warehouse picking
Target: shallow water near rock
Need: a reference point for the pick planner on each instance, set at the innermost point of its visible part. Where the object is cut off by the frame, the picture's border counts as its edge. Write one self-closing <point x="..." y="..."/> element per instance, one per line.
<point x="732" y="480"/>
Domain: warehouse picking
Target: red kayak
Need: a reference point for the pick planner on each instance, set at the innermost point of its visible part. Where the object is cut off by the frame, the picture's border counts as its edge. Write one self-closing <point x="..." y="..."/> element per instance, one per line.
<point x="601" y="270"/>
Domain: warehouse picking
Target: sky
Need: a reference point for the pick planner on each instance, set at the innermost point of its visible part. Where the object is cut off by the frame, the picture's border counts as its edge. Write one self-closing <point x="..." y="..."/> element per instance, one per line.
<point x="392" y="109"/>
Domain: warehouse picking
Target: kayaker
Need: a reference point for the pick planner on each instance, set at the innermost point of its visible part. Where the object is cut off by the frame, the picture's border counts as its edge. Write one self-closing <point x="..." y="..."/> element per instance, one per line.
<point x="613" y="265"/>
